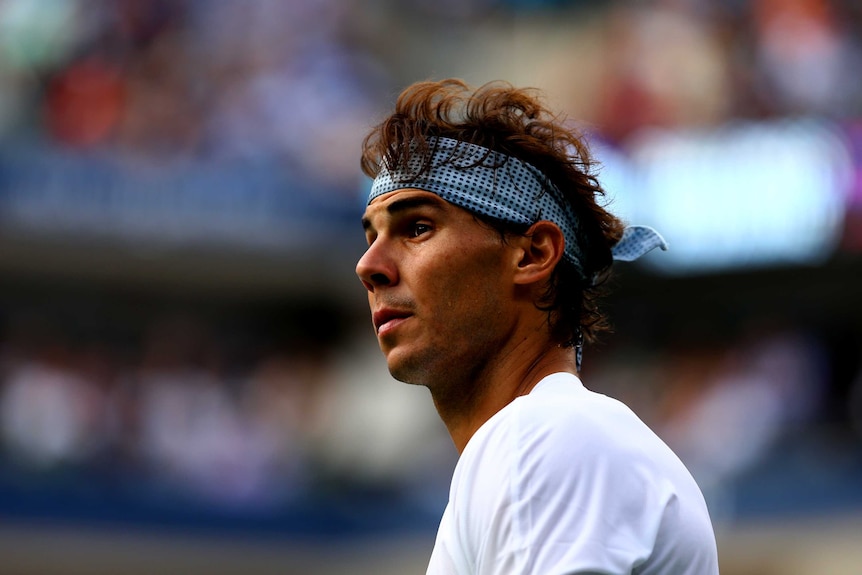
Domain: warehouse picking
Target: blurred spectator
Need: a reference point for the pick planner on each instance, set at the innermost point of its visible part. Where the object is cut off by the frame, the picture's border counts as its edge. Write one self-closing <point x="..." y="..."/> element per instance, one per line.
<point x="161" y="120"/>
<point x="665" y="68"/>
<point x="738" y="404"/>
<point x="192" y="434"/>
<point x="805" y="58"/>
<point x="84" y="103"/>
<point x="51" y="415"/>
<point x="284" y="398"/>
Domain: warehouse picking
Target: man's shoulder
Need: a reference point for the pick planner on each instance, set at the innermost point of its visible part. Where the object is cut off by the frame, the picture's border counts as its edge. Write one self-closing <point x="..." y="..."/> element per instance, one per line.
<point x="569" y="430"/>
<point x="558" y="418"/>
<point x="561" y="409"/>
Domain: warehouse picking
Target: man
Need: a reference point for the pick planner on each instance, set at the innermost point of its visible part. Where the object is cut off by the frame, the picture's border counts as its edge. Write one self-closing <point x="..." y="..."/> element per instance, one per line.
<point x="486" y="250"/>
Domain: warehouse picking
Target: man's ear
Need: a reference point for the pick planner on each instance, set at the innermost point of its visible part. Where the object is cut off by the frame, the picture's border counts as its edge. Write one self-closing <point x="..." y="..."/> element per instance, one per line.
<point x="542" y="248"/>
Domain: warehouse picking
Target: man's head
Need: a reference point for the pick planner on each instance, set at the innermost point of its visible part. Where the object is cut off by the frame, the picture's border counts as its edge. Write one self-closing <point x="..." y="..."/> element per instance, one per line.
<point x="500" y="155"/>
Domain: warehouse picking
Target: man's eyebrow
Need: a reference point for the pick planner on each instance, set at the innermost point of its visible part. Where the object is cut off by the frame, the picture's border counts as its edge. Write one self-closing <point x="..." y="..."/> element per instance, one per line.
<point x="405" y="204"/>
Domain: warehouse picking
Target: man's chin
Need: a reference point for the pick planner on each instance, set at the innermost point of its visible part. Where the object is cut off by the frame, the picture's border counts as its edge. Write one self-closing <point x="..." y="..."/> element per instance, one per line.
<point x="405" y="368"/>
<point x="404" y="375"/>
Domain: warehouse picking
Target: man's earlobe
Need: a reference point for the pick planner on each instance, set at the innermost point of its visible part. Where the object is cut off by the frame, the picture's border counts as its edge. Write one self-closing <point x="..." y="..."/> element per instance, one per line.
<point x="543" y="246"/>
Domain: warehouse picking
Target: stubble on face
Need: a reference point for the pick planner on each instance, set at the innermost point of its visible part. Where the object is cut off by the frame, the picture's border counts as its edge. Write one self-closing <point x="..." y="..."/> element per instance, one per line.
<point x="461" y="324"/>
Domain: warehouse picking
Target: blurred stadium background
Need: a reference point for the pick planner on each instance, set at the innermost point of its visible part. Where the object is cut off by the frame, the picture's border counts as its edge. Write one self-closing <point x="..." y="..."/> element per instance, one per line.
<point x="188" y="381"/>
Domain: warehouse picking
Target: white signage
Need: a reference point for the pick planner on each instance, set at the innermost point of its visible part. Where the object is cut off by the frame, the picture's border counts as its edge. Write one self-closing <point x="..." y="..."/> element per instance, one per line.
<point x="742" y="195"/>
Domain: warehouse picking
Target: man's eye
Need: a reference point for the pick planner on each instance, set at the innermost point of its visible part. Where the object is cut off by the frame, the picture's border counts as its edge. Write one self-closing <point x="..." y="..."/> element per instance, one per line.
<point x="419" y="229"/>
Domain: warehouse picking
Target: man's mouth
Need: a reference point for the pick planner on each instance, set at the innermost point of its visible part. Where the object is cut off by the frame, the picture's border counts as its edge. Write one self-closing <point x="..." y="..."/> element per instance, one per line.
<point x="387" y="319"/>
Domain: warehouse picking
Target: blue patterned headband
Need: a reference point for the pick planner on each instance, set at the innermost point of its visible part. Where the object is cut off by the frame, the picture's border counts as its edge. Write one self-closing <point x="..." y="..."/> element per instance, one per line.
<point x="502" y="187"/>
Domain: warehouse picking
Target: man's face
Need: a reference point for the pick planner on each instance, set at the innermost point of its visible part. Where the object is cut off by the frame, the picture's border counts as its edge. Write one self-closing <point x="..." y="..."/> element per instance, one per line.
<point x="438" y="287"/>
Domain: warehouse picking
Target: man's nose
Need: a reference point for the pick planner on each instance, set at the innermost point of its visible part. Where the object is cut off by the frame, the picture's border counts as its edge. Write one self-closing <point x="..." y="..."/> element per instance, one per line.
<point x="375" y="268"/>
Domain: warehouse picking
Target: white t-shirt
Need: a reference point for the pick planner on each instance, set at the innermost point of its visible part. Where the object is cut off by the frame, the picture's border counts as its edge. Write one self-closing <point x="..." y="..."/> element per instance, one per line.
<point x="566" y="481"/>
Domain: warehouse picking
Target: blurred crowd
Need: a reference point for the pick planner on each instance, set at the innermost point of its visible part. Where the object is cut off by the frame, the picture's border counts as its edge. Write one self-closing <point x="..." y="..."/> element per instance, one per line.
<point x="267" y="423"/>
<point x="172" y="80"/>
<point x="689" y="63"/>
<point x="177" y="409"/>
<point x="187" y="406"/>
<point x="161" y="82"/>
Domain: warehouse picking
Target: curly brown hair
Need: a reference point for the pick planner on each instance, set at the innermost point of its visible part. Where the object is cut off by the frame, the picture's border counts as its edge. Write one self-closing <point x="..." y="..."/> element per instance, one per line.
<point x="514" y="121"/>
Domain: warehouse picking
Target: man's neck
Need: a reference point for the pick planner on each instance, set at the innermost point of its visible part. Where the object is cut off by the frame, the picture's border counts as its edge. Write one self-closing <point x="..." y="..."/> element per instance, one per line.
<point x="512" y="375"/>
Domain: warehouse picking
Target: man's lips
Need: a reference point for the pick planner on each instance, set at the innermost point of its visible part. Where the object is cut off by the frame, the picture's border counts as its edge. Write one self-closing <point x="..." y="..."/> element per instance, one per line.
<point x="385" y="319"/>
